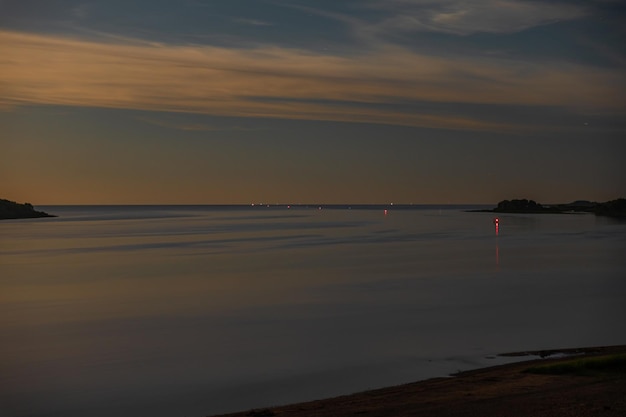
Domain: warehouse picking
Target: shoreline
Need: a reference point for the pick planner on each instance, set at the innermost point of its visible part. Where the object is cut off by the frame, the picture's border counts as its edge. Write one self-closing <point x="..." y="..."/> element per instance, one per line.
<point x="497" y="390"/>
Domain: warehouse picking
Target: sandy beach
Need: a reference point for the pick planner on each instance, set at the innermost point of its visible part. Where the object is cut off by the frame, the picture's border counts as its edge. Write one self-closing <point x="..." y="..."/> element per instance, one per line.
<point x="507" y="390"/>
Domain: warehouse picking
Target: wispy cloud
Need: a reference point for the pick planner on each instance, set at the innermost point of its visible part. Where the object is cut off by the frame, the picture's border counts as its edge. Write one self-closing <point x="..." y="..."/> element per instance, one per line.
<point x="252" y="22"/>
<point x="196" y="127"/>
<point x="457" y="17"/>
<point x="466" y="17"/>
<point x="236" y="82"/>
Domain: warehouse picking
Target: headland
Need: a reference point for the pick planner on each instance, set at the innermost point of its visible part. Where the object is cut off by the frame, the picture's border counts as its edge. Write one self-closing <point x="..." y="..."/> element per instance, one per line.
<point x="12" y="210"/>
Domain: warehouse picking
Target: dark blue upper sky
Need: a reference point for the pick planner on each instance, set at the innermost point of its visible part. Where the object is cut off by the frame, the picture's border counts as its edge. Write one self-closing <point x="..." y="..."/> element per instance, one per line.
<point x="235" y="101"/>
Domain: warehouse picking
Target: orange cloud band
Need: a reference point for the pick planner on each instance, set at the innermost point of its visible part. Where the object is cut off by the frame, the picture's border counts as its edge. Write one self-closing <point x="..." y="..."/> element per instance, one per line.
<point x="286" y="83"/>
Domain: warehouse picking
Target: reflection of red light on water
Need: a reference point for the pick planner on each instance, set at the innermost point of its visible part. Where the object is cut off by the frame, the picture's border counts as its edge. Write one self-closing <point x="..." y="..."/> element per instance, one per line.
<point x="497" y="255"/>
<point x="496" y="223"/>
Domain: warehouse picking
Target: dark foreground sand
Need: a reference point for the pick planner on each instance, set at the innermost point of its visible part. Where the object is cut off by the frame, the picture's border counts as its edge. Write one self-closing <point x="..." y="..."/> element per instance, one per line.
<point x="499" y="391"/>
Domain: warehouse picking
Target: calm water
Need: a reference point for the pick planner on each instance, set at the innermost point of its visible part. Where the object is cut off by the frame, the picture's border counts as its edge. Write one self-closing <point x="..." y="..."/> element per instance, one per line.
<point x="190" y="311"/>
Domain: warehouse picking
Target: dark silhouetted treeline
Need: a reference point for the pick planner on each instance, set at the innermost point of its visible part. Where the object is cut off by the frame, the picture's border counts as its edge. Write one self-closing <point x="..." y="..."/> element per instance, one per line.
<point x="613" y="208"/>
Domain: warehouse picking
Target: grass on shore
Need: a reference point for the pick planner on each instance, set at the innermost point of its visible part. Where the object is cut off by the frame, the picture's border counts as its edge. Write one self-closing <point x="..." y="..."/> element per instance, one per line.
<point x="592" y="366"/>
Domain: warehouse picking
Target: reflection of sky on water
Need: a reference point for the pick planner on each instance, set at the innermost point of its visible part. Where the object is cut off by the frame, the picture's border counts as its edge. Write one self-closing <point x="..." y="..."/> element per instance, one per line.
<point x="196" y="312"/>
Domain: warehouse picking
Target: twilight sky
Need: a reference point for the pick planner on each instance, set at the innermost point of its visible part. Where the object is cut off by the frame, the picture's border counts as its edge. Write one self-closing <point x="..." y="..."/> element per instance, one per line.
<point x="312" y="101"/>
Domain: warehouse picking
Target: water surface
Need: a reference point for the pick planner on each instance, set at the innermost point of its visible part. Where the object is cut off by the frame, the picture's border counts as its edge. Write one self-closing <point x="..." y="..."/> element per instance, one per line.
<point x="196" y="310"/>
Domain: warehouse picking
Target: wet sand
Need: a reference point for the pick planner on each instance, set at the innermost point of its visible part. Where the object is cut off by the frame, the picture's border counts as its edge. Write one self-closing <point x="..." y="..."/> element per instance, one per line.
<point x="504" y="390"/>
